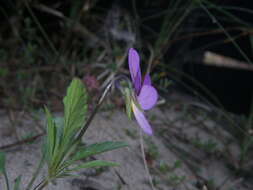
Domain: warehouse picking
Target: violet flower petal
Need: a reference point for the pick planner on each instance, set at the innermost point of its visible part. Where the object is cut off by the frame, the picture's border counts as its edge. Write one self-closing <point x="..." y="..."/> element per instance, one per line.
<point x="147" y="80"/>
<point x="148" y="97"/>
<point x="141" y="119"/>
<point x="134" y="67"/>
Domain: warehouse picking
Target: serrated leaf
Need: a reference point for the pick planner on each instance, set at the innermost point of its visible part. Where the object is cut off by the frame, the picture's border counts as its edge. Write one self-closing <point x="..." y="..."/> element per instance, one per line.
<point x="75" y="108"/>
<point x="17" y="183"/>
<point x="98" y="148"/>
<point x="92" y="164"/>
<point x="2" y="162"/>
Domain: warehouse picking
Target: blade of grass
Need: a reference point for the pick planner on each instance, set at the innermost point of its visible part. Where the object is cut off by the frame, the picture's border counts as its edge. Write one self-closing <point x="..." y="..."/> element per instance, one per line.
<point x="225" y="32"/>
<point x="44" y="34"/>
<point x="17" y="183"/>
<point x="37" y="171"/>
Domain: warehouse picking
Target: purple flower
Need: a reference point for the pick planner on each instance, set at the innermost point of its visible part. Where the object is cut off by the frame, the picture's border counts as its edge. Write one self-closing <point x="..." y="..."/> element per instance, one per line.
<point x="145" y="95"/>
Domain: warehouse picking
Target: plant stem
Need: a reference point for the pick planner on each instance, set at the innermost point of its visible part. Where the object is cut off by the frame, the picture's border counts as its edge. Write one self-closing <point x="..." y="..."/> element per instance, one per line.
<point x="101" y="99"/>
<point x="145" y="162"/>
<point x="6" y="180"/>
<point x="41" y="185"/>
<point x="36" y="173"/>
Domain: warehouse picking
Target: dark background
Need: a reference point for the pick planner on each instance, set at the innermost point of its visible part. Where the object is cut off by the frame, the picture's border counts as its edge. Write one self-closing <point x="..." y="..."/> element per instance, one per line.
<point x="21" y="23"/>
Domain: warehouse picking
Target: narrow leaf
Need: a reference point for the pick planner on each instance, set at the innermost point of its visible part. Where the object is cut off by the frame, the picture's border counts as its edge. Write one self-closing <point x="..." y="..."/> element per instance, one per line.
<point x="17" y="183"/>
<point x="51" y="133"/>
<point x="92" y="164"/>
<point x="66" y="174"/>
<point x="127" y="94"/>
<point x="98" y="148"/>
<point x="2" y="162"/>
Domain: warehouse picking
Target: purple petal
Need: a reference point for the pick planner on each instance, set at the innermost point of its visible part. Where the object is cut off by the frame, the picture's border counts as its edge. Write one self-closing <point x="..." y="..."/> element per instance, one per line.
<point x="141" y="119"/>
<point x="147" y="80"/>
<point x="148" y="97"/>
<point x="134" y="67"/>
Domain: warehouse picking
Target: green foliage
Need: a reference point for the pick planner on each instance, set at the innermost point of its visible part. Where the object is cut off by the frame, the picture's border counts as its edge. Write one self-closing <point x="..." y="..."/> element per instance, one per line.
<point x="209" y="145"/>
<point x="52" y="140"/>
<point x="63" y="150"/>
<point x="92" y="164"/>
<point x="98" y="148"/>
<point x="3" y="72"/>
<point x="175" y="179"/>
<point x="60" y="139"/>
<point x="128" y="103"/>
<point x="37" y="50"/>
<point x="177" y="164"/>
<point x="17" y="183"/>
<point x="2" y="162"/>
<point x="152" y="149"/>
<point x="3" y="171"/>
<point x="75" y="108"/>
<point x="164" y="167"/>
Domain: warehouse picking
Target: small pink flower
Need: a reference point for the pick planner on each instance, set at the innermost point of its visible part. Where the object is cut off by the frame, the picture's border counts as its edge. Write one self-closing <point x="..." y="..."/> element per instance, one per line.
<point x="145" y="95"/>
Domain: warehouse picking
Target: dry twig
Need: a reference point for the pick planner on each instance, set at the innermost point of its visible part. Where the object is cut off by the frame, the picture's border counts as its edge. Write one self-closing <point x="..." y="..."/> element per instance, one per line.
<point x="215" y="59"/>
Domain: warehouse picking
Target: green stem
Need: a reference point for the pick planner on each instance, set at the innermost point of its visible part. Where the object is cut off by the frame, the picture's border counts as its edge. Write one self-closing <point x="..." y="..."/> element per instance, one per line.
<point x="41" y="185"/>
<point x="85" y="127"/>
<point x="6" y="180"/>
<point x="36" y="173"/>
<point x="101" y="99"/>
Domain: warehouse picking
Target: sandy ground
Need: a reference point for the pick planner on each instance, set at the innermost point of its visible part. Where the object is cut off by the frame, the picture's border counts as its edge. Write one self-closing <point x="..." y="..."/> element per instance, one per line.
<point x="183" y="154"/>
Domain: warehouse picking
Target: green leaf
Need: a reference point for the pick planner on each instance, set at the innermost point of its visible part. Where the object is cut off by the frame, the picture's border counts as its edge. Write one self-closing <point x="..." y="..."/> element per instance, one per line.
<point x="2" y="162"/>
<point x="66" y="174"/>
<point x="98" y="148"/>
<point x="17" y="183"/>
<point x="59" y="121"/>
<point x="75" y="108"/>
<point x="51" y="134"/>
<point x="127" y="94"/>
<point x="3" y="71"/>
<point x="92" y="164"/>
